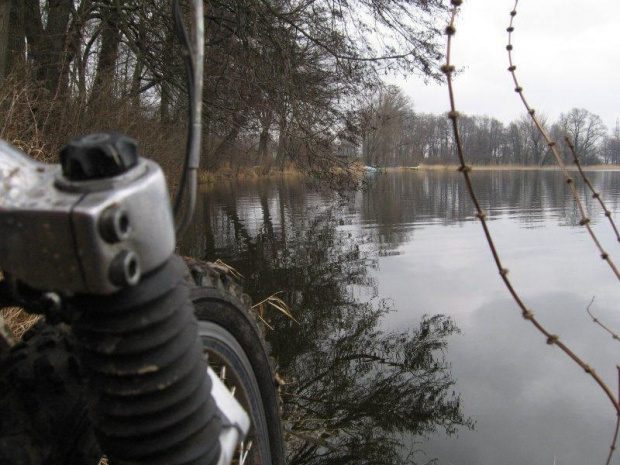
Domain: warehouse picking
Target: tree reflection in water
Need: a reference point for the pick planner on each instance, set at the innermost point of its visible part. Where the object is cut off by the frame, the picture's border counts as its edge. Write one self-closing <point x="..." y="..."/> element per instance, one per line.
<point x="354" y="393"/>
<point x="357" y="392"/>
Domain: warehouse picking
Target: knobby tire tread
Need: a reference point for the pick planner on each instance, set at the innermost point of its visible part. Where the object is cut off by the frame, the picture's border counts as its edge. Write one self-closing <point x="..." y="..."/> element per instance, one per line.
<point x="226" y="305"/>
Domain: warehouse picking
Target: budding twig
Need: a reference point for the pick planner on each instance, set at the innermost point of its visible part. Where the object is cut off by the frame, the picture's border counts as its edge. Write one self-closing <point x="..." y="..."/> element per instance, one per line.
<point x="595" y="195"/>
<point x="614" y="440"/>
<point x="585" y="221"/>
<point x="465" y="169"/>
<point x="598" y="322"/>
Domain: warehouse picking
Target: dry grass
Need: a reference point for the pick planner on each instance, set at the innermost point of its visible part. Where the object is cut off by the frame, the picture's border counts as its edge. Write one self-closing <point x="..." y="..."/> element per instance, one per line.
<point x="248" y="173"/>
<point x="229" y="269"/>
<point x="599" y="168"/>
<point x="273" y="301"/>
<point x="358" y="170"/>
<point x="18" y="321"/>
<point x="40" y="125"/>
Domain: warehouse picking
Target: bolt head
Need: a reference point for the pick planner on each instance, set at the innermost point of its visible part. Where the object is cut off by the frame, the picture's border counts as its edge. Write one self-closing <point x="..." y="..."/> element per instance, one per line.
<point x="125" y="269"/>
<point x="114" y="224"/>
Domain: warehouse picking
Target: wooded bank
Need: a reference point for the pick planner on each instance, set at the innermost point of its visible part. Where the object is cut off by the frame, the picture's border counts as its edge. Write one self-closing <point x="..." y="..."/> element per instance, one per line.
<point x="284" y="80"/>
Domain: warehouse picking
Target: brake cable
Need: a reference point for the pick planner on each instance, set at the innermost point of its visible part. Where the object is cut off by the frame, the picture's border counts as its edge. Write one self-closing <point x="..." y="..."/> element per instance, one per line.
<point x="193" y="58"/>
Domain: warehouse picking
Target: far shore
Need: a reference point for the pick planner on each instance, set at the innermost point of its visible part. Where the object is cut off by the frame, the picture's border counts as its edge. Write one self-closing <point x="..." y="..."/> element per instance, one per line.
<point x="258" y="172"/>
<point x="571" y="167"/>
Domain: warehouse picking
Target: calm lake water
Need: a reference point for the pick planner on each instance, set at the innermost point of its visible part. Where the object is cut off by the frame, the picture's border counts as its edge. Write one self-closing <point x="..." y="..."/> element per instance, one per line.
<point x="408" y="346"/>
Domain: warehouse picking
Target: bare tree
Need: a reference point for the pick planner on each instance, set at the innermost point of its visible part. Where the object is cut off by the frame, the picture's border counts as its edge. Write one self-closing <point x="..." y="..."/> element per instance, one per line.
<point x="387" y="128"/>
<point x="585" y="130"/>
<point x="110" y="12"/>
<point x="611" y="146"/>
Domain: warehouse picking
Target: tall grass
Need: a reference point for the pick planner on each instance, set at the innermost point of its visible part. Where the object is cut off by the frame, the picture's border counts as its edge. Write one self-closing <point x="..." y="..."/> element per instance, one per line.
<point x="41" y="124"/>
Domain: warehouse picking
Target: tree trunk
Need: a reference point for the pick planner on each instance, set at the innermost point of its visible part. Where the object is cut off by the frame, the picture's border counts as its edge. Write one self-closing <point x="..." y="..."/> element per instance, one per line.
<point x="5" y="16"/>
<point x="48" y="46"/>
<point x="263" y="145"/>
<point x="165" y="87"/>
<point x="164" y="102"/>
<point x="207" y="139"/>
<point x="224" y="150"/>
<point x="108" y="54"/>
<point x="73" y="50"/>
<point x="281" y="154"/>
<point x="12" y="36"/>
<point x="136" y="83"/>
<point x="17" y="35"/>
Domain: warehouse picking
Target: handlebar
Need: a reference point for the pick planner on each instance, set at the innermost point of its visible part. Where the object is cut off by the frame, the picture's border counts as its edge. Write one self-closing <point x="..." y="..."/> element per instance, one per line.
<point x="75" y="230"/>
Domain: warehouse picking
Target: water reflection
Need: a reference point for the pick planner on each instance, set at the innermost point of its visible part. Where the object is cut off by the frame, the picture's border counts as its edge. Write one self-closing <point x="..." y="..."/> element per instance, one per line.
<point x="391" y="207"/>
<point x="354" y="391"/>
<point x="398" y="203"/>
<point x="364" y="364"/>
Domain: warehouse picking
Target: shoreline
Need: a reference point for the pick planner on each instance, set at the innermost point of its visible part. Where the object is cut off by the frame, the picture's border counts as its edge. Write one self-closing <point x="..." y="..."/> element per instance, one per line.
<point x="245" y="173"/>
<point x="290" y="171"/>
<point x="503" y="168"/>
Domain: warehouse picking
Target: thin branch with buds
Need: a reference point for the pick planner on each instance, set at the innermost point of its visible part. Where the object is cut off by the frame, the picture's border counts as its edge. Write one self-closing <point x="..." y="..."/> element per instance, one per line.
<point x="585" y="221"/>
<point x="614" y="440"/>
<point x="602" y="325"/>
<point x="595" y="195"/>
<point x="453" y="115"/>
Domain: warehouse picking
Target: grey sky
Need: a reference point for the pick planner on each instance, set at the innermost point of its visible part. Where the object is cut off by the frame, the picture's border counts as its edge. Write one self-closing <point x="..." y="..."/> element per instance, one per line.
<point x="567" y="55"/>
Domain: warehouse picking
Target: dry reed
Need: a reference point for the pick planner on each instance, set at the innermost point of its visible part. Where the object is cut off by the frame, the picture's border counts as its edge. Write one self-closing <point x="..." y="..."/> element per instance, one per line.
<point x="18" y="321"/>
<point x="276" y="302"/>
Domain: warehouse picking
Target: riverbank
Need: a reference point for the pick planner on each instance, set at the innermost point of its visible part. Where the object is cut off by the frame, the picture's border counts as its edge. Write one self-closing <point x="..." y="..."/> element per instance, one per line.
<point x="355" y="172"/>
<point x="227" y="173"/>
<point x="570" y="167"/>
<point x="246" y="173"/>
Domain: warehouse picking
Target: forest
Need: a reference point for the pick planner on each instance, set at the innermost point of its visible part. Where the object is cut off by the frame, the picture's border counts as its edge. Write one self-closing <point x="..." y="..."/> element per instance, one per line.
<point x="285" y="80"/>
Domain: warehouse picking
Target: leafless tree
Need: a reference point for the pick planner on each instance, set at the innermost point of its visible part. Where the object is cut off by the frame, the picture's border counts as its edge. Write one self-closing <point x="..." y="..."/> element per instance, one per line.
<point x="585" y="130"/>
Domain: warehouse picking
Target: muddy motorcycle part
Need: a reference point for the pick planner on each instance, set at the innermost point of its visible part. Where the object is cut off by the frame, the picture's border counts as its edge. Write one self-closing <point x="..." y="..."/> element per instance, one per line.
<point x="147" y="389"/>
<point x="43" y="417"/>
<point x="60" y="426"/>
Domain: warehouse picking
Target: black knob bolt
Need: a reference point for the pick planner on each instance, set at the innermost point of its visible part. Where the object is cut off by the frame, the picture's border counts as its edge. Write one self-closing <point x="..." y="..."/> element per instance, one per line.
<point x="98" y="156"/>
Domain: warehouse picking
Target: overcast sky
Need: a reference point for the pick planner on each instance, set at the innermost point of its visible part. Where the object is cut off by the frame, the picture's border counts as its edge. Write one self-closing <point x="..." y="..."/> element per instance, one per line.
<point x="567" y="55"/>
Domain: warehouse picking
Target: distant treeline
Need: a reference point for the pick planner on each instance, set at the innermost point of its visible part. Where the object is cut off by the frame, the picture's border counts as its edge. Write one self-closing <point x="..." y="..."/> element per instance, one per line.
<point x="393" y="134"/>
